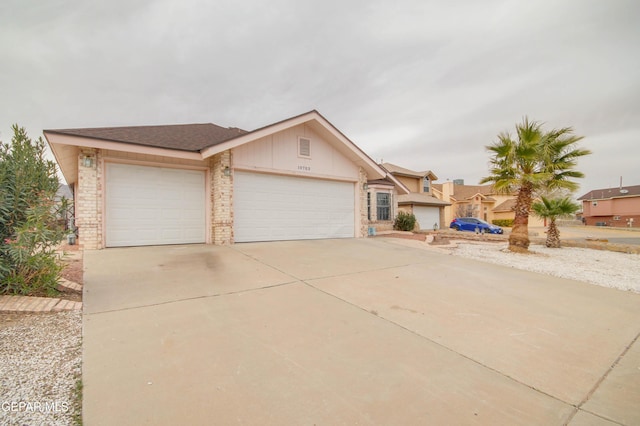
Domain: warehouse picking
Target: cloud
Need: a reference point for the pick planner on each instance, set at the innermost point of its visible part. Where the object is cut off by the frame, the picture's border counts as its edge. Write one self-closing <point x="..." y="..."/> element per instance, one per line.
<point x="424" y="84"/>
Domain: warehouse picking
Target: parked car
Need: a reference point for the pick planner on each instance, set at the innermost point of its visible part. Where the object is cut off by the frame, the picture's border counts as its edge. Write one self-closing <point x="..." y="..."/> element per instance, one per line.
<point x="474" y="224"/>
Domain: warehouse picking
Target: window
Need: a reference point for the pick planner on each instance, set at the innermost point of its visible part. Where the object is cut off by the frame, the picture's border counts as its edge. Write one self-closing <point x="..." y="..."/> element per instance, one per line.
<point x="425" y="184"/>
<point x="368" y="205"/>
<point x="383" y="202"/>
<point x="594" y="203"/>
<point x="616" y="218"/>
<point x="304" y="147"/>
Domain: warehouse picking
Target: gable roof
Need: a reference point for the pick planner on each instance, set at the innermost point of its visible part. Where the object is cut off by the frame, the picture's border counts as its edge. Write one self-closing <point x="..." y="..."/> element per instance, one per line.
<point x="197" y="142"/>
<point x="421" y="199"/>
<point x="464" y="192"/>
<point x="601" y="194"/>
<point x="184" y="137"/>
<point x="507" y="206"/>
<point x="401" y="171"/>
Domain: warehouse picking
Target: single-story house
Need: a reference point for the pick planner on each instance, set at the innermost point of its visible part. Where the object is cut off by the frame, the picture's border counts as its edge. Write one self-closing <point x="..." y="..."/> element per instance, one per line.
<point x="300" y="178"/>
<point x="428" y="210"/>
<point x="619" y="207"/>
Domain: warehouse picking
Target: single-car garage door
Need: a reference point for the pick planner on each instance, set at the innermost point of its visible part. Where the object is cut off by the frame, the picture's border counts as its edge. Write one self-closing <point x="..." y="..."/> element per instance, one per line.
<point x="153" y="205"/>
<point x="427" y="216"/>
<point x="272" y="207"/>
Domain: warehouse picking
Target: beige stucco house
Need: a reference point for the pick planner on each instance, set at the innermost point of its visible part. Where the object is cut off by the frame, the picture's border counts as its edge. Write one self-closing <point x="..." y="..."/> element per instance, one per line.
<point x="300" y="178"/>
<point x="428" y="210"/>
<point x="481" y="201"/>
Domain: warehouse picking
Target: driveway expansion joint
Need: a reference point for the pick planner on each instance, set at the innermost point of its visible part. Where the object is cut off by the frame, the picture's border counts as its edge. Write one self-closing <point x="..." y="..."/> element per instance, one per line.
<point x="186" y="299"/>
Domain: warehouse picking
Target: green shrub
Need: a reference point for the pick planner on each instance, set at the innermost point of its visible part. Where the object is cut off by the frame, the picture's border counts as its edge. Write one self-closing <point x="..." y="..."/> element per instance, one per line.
<point x="404" y="222"/>
<point x="28" y="230"/>
<point x="503" y="222"/>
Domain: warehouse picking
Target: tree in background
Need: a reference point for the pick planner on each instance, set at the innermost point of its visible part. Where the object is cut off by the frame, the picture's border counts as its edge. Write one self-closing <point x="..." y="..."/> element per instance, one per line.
<point x="29" y="233"/>
<point x="534" y="162"/>
<point x="553" y="209"/>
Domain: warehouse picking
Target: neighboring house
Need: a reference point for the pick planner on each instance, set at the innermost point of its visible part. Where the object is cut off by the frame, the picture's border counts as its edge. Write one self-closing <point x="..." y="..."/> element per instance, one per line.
<point x="428" y="210"/>
<point x="619" y="207"/>
<point x="299" y="178"/>
<point x="480" y="201"/>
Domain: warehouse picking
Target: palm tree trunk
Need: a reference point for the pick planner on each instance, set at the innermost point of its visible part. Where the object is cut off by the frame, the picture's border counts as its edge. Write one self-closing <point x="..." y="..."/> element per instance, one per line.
<point x="519" y="238"/>
<point x="553" y="235"/>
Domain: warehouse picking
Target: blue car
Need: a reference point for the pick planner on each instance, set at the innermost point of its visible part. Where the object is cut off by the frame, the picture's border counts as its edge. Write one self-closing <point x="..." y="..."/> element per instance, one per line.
<point x="474" y="224"/>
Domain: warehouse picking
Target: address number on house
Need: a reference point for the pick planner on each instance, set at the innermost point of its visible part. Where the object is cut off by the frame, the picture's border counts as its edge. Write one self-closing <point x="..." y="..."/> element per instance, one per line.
<point x="304" y="168"/>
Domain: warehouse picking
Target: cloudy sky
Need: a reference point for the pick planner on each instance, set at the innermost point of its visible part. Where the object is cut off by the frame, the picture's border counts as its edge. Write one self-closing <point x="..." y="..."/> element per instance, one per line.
<point x="423" y="84"/>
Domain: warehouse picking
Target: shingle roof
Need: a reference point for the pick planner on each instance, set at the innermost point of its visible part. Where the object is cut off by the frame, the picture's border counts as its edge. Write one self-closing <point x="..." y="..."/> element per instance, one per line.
<point x="392" y="168"/>
<point x="421" y="199"/>
<point x="600" y="194"/>
<point x="184" y="137"/>
<point x="462" y="192"/>
<point x="507" y="206"/>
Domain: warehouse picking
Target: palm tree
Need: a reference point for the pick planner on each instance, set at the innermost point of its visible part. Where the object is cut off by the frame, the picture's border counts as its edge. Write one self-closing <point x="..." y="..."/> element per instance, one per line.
<point x="536" y="161"/>
<point x="552" y="209"/>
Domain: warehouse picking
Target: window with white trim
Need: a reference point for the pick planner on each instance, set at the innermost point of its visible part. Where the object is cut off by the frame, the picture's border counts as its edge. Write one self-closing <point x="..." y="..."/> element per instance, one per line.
<point x="426" y="187"/>
<point x="383" y="206"/>
<point x="304" y="147"/>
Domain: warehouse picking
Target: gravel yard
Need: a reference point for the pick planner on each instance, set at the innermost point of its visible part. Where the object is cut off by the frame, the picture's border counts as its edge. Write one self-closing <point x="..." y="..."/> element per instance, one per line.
<point x="604" y="268"/>
<point x="40" y="367"/>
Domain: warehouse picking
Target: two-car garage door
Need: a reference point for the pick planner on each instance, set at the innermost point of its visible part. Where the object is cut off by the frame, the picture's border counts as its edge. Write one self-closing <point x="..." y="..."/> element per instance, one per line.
<point x="154" y="205"/>
<point x="273" y="207"/>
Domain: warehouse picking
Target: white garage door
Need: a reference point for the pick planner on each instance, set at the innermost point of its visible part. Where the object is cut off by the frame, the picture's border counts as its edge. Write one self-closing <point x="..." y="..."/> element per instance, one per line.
<point x="154" y="205"/>
<point x="272" y="207"/>
<point x="427" y="216"/>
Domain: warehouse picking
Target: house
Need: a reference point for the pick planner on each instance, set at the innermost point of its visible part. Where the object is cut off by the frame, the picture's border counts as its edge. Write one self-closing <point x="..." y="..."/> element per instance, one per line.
<point x="480" y="201"/>
<point x="428" y="210"/>
<point x="300" y="178"/>
<point x="619" y="207"/>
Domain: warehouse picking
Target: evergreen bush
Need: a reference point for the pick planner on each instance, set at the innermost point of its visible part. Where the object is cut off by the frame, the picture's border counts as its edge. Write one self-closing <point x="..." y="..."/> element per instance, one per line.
<point x="404" y="222"/>
<point x="29" y="233"/>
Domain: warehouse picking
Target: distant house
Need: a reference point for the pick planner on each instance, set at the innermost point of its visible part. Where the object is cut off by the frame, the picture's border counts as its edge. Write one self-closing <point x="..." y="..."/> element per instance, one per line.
<point x="619" y="207"/>
<point x="480" y="201"/>
<point x="428" y="210"/>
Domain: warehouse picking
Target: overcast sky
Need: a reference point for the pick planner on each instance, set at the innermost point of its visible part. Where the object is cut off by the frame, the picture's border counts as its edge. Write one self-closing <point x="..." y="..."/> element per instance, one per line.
<point x="423" y="84"/>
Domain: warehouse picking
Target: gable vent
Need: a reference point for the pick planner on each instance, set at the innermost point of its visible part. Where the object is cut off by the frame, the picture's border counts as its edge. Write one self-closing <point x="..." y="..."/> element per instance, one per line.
<point x="304" y="147"/>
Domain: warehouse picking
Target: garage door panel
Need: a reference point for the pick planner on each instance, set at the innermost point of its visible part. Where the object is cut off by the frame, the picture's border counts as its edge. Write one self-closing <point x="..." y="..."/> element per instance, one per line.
<point x="152" y="206"/>
<point x="272" y="207"/>
<point x="427" y="216"/>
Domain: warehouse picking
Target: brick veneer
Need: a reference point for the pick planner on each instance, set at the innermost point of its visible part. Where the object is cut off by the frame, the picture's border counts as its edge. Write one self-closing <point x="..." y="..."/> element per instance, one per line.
<point x="88" y="194"/>
<point x="362" y="193"/>
<point x="221" y="199"/>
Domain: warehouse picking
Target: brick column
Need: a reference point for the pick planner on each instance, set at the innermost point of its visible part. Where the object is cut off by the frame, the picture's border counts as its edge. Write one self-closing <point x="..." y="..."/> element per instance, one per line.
<point x="362" y="193"/>
<point x="221" y="199"/>
<point x="88" y="199"/>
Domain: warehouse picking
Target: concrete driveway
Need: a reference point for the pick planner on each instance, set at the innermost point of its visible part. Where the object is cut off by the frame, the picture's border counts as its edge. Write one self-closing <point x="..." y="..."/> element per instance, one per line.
<point x="366" y="331"/>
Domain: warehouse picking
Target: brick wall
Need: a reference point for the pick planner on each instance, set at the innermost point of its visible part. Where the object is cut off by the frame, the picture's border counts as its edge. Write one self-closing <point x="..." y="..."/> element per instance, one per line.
<point x="88" y="199"/>
<point x="362" y="193"/>
<point x="221" y="199"/>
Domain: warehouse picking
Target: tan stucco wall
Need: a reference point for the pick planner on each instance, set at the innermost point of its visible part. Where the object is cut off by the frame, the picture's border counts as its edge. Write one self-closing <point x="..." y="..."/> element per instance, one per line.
<point x="413" y="184"/>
